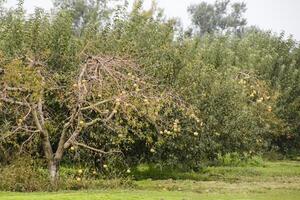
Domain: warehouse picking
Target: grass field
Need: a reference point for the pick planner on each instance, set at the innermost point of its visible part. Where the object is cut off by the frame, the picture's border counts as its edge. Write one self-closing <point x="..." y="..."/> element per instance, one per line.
<point x="155" y="195"/>
<point x="274" y="181"/>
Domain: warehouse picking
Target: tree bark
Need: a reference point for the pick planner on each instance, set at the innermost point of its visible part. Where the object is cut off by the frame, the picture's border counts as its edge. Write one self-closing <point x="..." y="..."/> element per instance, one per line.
<point x="53" y="163"/>
<point x="53" y="167"/>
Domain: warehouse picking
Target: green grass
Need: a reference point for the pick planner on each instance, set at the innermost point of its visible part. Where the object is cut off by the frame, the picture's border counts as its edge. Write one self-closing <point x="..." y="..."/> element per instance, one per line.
<point x="268" y="170"/>
<point x="153" y="195"/>
<point x="273" y="180"/>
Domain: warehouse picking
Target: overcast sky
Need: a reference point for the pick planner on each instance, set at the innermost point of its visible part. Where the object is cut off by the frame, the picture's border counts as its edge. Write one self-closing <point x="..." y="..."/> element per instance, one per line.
<point x="275" y="15"/>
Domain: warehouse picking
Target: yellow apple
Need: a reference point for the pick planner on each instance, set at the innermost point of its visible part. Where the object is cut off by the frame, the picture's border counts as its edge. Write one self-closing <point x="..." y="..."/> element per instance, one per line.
<point x="270" y="109"/>
<point x="259" y="100"/>
<point x="152" y="150"/>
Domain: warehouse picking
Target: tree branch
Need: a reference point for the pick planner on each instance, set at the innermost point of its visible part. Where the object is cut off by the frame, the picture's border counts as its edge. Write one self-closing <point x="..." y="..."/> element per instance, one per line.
<point x="29" y="138"/>
<point x="45" y="136"/>
<point x="94" y="149"/>
<point x="96" y="104"/>
<point x="7" y="100"/>
<point x="14" y="89"/>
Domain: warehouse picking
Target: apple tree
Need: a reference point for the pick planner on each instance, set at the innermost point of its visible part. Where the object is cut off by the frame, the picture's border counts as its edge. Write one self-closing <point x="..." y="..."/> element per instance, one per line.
<point x="108" y="94"/>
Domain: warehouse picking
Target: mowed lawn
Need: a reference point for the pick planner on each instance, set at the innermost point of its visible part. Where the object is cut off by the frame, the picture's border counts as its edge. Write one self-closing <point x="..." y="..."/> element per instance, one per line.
<point x="154" y="195"/>
<point x="274" y="181"/>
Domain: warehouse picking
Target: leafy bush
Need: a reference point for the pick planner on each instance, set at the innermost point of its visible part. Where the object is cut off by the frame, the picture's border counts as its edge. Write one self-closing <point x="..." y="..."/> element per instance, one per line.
<point x="23" y="175"/>
<point x="26" y="175"/>
<point x="236" y="160"/>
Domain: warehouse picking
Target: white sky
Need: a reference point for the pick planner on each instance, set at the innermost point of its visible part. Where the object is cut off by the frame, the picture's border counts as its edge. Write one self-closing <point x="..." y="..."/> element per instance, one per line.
<point x="275" y="15"/>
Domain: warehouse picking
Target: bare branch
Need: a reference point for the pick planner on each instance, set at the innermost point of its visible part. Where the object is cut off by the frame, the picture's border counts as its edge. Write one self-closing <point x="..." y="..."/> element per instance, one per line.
<point x="72" y="138"/>
<point x="60" y="149"/>
<point x="12" y="101"/>
<point x="96" y="104"/>
<point x="93" y="122"/>
<point x="14" y="89"/>
<point x="94" y="149"/>
<point x="26" y="141"/>
<point x="41" y="113"/>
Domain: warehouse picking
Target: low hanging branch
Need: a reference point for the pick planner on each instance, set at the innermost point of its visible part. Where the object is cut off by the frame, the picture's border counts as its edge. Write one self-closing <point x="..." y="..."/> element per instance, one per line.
<point x="94" y="149"/>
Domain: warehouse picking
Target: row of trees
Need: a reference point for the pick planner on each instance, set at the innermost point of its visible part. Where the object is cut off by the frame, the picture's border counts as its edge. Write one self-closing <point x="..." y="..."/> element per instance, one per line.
<point x="133" y="87"/>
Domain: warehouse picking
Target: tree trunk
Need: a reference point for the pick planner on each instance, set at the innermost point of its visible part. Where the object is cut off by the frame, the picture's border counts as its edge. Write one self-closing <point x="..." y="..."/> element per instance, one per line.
<point x="53" y="167"/>
<point x="53" y="161"/>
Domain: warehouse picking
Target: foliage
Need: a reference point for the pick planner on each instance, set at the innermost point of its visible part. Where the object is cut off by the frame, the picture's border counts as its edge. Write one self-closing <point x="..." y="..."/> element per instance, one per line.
<point x="234" y="159"/>
<point x="23" y="176"/>
<point x="26" y="175"/>
<point x="214" y="18"/>
<point x="85" y="14"/>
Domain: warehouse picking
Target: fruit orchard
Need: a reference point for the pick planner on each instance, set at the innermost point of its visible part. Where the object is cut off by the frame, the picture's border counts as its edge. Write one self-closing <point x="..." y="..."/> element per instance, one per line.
<point x="114" y="89"/>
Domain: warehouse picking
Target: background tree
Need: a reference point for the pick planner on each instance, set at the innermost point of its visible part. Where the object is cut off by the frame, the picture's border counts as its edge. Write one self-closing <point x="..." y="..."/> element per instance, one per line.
<point x="85" y="13"/>
<point x="219" y="17"/>
<point x="1" y="7"/>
